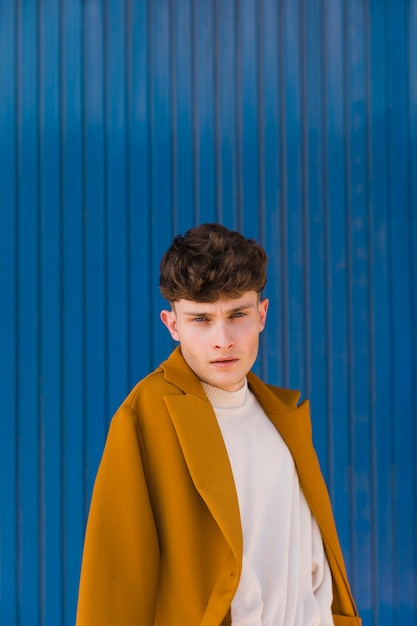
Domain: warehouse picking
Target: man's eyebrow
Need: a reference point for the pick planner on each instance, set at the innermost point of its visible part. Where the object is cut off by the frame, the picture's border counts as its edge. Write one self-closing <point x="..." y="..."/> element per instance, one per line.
<point x="196" y="313"/>
<point x="244" y="306"/>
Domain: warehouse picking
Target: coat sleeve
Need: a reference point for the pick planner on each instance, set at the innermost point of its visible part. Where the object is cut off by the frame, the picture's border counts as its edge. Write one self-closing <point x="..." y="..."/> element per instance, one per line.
<point x="121" y="556"/>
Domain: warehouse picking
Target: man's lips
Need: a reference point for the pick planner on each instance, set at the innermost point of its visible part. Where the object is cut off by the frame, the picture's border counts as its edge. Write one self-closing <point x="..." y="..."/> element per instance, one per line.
<point x="224" y="362"/>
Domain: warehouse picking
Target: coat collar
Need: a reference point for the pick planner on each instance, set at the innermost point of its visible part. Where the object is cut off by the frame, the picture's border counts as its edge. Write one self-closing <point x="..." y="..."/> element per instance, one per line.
<point x="177" y="371"/>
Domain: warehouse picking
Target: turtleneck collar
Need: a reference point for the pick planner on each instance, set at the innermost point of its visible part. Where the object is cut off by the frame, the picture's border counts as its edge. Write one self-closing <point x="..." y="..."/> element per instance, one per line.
<point x="221" y="399"/>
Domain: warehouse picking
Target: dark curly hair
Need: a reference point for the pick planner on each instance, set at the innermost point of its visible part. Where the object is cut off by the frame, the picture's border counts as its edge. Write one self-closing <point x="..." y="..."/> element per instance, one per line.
<point x="210" y="262"/>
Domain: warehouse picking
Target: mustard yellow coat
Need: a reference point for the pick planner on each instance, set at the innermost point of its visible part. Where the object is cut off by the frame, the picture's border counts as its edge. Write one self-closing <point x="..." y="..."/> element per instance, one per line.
<point x="163" y="544"/>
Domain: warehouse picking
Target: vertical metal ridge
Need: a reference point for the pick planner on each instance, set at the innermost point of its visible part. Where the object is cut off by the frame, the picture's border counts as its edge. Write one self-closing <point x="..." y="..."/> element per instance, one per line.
<point x="41" y="428"/>
<point x="327" y="256"/>
<point x="350" y="356"/>
<point x="84" y="459"/>
<point x="12" y="610"/>
<point x="106" y="205"/>
<point x="49" y="305"/>
<point x="61" y="308"/>
<point x="283" y="198"/>
<point x="260" y="78"/>
<point x="217" y="133"/>
<point x="238" y="115"/>
<point x="306" y="208"/>
<point x="174" y="113"/>
<point x="371" y="312"/>
<point x="18" y="315"/>
<point x="323" y="199"/>
<point x="38" y="295"/>
<point x="194" y="114"/>
<point x="412" y="96"/>
<point x="149" y="155"/>
<point x="127" y="55"/>
<point x="213" y="113"/>
<point x="412" y="60"/>
<point x="260" y="37"/>
<point x="150" y="56"/>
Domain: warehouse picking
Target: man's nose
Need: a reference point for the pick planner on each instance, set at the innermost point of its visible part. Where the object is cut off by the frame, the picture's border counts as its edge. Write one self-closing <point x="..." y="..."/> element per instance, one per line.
<point x="223" y="338"/>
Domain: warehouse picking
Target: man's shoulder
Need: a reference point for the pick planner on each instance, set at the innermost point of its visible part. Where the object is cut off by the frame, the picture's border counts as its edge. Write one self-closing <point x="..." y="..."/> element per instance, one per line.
<point x="152" y="387"/>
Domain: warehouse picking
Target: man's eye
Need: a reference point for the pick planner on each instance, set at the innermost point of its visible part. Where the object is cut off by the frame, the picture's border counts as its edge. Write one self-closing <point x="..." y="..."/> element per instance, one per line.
<point x="199" y="319"/>
<point x="239" y="314"/>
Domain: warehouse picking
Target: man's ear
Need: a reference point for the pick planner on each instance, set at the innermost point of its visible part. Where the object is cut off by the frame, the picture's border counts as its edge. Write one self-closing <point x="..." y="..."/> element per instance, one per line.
<point x="168" y="318"/>
<point x="263" y="309"/>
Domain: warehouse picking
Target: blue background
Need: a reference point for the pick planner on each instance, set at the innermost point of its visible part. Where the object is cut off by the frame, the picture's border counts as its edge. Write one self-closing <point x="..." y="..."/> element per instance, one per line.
<point x="123" y="123"/>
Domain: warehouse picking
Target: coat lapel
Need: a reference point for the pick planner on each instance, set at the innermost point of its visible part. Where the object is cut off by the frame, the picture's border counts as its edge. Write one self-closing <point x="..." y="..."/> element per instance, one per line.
<point x="205" y="453"/>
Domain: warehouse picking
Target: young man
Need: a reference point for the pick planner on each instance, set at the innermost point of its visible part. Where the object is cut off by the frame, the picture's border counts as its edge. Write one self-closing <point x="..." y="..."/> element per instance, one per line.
<point x="209" y="507"/>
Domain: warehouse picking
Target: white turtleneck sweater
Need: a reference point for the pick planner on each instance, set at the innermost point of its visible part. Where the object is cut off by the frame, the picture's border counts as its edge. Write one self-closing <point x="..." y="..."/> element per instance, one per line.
<point x="286" y="579"/>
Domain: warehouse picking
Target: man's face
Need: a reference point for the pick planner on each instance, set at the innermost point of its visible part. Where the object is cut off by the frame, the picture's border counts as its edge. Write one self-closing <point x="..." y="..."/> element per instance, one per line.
<point x="219" y="340"/>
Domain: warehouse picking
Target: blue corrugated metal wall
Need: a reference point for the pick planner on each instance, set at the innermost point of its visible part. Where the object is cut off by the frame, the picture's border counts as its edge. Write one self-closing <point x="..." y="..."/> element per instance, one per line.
<point x="123" y="123"/>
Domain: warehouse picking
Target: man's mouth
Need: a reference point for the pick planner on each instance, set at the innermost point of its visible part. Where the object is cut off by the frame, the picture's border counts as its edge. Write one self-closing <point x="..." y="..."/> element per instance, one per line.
<point x="224" y="362"/>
